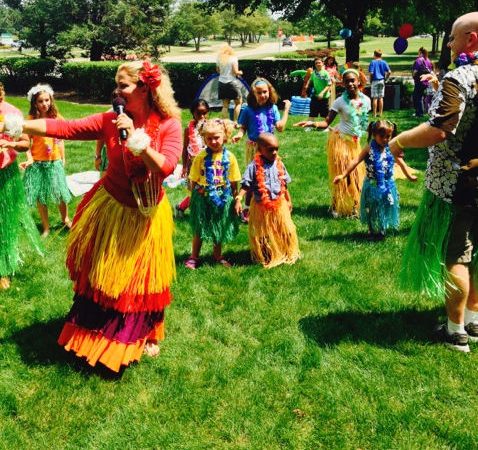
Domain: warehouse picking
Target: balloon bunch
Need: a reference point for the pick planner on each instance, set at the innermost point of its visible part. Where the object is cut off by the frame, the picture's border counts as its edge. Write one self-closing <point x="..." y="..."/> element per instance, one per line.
<point x="400" y="44"/>
<point x="345" y="33"/>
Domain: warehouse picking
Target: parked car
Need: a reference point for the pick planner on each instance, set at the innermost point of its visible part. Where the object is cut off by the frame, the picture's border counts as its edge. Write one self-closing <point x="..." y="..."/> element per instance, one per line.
<point x="287" y="42"/>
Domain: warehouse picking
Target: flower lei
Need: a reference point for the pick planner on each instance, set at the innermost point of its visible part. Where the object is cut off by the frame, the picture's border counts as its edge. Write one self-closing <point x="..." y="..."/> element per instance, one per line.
<point x="150" y="75"/>
<point x="465" y="58"/>
<point x="359" y="123"/>
<point x="217" y="195"/>
<point x="195" y="143"/>
<point x="383" y="172"/>
<point x="266" y="200"/>
<point x="270" y="120"/>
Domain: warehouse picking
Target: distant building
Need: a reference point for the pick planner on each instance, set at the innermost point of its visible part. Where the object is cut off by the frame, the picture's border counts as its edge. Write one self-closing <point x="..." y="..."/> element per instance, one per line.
<point x="6" y="39"/>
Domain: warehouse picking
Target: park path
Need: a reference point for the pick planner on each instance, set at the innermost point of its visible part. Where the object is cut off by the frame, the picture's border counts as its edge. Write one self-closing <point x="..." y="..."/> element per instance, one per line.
<point x="210" y="53"/>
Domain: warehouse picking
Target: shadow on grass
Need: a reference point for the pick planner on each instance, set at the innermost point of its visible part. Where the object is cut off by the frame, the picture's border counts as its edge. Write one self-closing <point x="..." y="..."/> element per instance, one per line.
<point x="359" y="237"/>
<point x="239" y="258"/>
<point x="313" y="211"/>
<point x="383" y="329"/>
<point x="38" y="346"/>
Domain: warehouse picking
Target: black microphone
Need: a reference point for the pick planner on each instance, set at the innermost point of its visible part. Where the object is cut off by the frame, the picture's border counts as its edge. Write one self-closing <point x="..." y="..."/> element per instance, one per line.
<point x="118" y="106"/>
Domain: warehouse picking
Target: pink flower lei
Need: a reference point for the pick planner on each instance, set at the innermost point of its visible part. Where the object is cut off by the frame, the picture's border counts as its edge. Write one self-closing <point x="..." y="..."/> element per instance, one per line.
<point x="150" y="75"/>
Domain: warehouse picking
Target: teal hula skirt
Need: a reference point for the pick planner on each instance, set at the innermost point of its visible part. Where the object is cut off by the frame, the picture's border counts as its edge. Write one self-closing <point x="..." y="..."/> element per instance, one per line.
<point x="45" y="183"/>
<point x="379" y="213"/>
<point x="213" y="223"/>
<point x="15" y="221"/>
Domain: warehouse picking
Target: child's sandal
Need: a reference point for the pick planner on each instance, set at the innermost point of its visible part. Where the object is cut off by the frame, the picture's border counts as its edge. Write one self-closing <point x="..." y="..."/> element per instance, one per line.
<point x="223" y="262"/>
<point x="191" y="263"/>
<point x="151" y="349"/>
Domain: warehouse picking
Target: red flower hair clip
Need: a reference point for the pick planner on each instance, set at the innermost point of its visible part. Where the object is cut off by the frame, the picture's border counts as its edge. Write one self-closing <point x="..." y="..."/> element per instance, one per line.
<point x="150" y="75"/>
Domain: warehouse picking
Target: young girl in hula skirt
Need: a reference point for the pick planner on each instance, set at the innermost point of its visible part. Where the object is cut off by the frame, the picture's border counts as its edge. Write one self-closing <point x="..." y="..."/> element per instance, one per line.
<point x="343" y="144"/>
<point x="272" y="234"/>
<point x="44" y="180"/>
<point x="192" y="145"/>
<point x="15" y="218"/>
<point x="214" y="178"/>
<point x="379" y="203"/>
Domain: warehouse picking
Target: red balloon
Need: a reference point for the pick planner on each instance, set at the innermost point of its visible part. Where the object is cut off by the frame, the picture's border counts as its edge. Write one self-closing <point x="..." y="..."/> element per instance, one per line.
<point x="405" y="30"/>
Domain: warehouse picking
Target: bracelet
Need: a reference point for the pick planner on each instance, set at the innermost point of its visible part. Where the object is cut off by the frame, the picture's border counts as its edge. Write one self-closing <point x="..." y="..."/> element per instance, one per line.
<point x="13" y="125"/>
<point x="399" y="145"/>
<point x="138" y="142"/>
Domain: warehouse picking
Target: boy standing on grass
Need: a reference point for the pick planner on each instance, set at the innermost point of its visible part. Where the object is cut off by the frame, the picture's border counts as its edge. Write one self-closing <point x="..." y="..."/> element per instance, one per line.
<point x="379" y="73"/>
<point x="441" y="253"/>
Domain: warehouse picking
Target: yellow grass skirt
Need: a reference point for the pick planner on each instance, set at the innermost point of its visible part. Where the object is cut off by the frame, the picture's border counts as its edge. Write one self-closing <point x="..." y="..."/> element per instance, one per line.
<point x="121" y="250"/>
<point x="341" y="149"/>
<point x="272" y="235"/>
<point x="251" y="149"/>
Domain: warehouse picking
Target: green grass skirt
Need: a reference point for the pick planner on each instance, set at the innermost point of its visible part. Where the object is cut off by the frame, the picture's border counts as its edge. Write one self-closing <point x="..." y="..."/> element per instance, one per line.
<point x="45" y="183"/>
<point x="211" y="223"/>
<point x="424" y="260"/>
<point x="15" y="220"/>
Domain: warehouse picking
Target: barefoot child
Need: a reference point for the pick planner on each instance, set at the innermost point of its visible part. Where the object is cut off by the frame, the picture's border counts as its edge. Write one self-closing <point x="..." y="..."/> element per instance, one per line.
<point x="214" y="180"/>
<point x="379" y="202"/>
<point x="272" y="234"/>
<point x="44" y="179"/>
<point x="193" y="144"/>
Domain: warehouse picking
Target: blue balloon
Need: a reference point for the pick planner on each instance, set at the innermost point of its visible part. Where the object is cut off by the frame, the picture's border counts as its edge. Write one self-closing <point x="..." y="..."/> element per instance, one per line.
<point x="345" y="33"/>
<point x="400" y="45"/>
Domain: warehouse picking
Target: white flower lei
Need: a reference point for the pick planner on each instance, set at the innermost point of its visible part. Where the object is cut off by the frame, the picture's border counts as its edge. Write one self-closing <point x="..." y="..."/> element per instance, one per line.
<point x="39" y="88"/>
<point x="13" y="125"/>
<point x="138" y="142"/>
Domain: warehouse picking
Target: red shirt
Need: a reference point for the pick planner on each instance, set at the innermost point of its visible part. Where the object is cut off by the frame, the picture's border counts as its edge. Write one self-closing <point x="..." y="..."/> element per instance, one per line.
<point x="166" y="139"/>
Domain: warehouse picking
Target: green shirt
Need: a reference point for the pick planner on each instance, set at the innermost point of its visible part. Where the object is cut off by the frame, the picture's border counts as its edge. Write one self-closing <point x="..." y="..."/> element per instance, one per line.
<point x="320" y="81"/>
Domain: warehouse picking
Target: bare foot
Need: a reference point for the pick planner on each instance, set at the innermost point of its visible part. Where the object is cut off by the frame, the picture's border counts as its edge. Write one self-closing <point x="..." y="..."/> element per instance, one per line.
<point x="68" y="223"/>
<point x="4" y="283"/>
<point x="151" y="349"/>
<point x="45" y="233"/>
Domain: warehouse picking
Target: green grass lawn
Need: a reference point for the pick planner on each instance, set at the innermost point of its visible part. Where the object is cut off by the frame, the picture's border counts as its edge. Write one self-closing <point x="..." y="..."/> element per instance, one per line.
<point x="327" y="353"/>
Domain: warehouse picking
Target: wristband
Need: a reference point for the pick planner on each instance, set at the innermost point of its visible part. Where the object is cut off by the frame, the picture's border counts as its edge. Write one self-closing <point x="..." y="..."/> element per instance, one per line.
<point x="13" y="125"/>
<point x="138" y="142"/>
<point x="399" y="145"/>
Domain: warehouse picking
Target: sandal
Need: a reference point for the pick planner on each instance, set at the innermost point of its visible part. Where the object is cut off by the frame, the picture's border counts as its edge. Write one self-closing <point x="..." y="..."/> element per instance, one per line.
<point x="151" y="349"/>
<point x="224" y="262"/>
<point x="192" y="263"/>
<point x="4" y="283"/>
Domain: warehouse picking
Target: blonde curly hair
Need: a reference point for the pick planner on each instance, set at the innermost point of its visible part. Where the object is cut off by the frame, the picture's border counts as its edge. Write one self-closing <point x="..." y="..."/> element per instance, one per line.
<point x="225" y="52"/>
<point x="162" y="97"/>
<point x="218" y="125"/>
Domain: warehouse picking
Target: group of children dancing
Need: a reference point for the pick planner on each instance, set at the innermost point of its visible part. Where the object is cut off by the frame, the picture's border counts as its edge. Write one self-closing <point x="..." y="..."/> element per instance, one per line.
<point x="217" y="187"/>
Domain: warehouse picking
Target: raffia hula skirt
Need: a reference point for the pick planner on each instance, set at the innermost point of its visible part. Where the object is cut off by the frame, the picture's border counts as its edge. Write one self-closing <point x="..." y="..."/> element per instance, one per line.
<point x="341" y="149"/>
<point x="251" y="149"/>
<point x="212" y="223"/>
<point x="45" y="183"/>
<point x="122" y="264"/>
<point x="15" y="220"/>
<point x="272" y="235"/>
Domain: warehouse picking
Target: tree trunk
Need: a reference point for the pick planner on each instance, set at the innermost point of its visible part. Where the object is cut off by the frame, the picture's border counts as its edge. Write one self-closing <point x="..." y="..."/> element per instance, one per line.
<point x="96" y="51"/>
<point x="43" y="52"/>
<point x="329" y="37"/>
<point x="445" y="55"/>
<point x="197" y="43"/>
<point x="352" y="44"/>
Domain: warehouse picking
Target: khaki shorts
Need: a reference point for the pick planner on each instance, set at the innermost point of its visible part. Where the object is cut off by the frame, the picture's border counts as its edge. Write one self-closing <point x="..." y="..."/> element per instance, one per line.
<point x="377" y="89"/>
<point x="463" y="240"/>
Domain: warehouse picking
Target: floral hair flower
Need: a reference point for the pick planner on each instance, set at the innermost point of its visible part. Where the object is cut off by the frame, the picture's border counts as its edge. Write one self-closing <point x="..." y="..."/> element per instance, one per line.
<point x="150" y="75"/>
<point x="39" y="88"/>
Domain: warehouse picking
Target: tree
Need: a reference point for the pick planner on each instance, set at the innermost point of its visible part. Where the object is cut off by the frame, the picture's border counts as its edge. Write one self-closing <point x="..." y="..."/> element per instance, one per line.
<point x="191" y="22"/>
<point x="10" y="19"/>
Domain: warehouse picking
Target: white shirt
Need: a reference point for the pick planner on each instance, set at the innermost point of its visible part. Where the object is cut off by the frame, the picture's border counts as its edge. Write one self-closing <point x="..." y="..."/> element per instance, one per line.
<point x="342" y="109"/>
<point x="226" y="74"/>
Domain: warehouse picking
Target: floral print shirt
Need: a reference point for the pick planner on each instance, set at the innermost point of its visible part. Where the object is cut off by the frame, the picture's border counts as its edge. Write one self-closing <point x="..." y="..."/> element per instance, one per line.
<point x="454" y="110"/>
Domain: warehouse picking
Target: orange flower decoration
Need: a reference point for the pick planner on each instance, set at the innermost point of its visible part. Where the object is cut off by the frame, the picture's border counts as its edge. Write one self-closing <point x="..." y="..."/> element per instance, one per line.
<point x="150" y="75"/>
<point x="266" y="200"/>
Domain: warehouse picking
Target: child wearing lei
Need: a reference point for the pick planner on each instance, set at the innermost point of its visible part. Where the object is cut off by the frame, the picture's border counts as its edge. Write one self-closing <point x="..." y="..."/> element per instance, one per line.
<point x="214" y="178"/>
<point x="343" y="144"/>
<point x="260" y="116"/>
<point x="379" y="202"/>
<point x="192" y="145"/>
<point x="272" y="234"/>
<point x="44" y="180"/>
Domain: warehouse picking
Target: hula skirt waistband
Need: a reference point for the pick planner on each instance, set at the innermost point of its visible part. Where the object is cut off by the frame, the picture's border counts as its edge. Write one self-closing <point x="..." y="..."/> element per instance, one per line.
<point x="122" y="264"/>
<point x="213" y="223"/>
<point x="341" y="149"/>
<point x="15" y="221"/>
<point x="45" y="183"/>
<point x="272" y="235"/>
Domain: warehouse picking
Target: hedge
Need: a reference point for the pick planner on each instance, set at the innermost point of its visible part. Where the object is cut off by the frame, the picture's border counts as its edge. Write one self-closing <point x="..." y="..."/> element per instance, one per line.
<point x="95" y="80"/>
